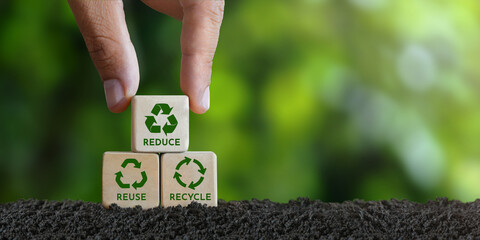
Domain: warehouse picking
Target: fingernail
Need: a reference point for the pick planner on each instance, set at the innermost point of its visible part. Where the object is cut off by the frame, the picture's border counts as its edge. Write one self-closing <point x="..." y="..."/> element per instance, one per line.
<point x="206" y="98"/>
<point x="114" y="92"/>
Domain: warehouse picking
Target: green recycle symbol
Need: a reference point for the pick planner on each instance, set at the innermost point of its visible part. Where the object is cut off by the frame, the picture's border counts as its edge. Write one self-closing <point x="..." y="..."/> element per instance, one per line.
<point x="168" y="127"/>
<point x="201" y="170"/>
<point x="136" y="184"/>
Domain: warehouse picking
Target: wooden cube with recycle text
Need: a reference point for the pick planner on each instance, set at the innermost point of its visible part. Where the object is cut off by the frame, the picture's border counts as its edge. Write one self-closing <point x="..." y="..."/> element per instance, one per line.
<point x="160" y="124"/>
<point x="130" y="179"/>
<point x="188" y="177"/>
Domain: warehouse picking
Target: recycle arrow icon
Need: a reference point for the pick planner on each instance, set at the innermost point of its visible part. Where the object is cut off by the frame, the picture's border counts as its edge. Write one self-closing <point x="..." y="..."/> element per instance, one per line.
<point x="152" y="128"/>
<point x="133" y="161"/>
<point x="118" y="179"/>
<point x="192" y="184"/>
<point x="177" y="176"/>
<point x="202" y="169"/>
<point x="186" y="161"/>
<point x="164" y="109"/>
<point x="142" y="183"/>
<point x="136" y="184"/>
<point x="173" y="124"/>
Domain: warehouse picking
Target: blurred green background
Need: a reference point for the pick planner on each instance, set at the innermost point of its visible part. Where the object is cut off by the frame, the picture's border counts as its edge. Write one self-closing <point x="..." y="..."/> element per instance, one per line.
<point x="327" y="99"/>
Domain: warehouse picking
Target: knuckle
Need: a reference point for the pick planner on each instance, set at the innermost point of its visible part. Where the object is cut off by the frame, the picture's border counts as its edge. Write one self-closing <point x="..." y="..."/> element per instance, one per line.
<point x="213" y="9"/>
<point x="103" y="51"/>
<point x="216" y="17"/>
<point x="201" y="57"/>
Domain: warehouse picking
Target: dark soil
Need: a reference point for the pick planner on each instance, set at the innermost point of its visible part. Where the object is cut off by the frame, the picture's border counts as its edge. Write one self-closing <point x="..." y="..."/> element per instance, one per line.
<point x="254" y="219"/>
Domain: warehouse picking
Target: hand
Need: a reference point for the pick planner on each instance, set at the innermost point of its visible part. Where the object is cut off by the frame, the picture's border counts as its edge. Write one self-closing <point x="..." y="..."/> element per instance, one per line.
<point x="102" y="23"/>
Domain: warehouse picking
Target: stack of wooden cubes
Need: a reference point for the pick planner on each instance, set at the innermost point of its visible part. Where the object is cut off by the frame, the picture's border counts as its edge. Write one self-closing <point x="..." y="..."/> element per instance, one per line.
<point x="159" y="170"/>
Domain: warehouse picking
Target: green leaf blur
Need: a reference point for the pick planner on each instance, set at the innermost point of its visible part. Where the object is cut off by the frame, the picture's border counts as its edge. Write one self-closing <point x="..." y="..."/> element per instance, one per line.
<point x="327" y="99"/>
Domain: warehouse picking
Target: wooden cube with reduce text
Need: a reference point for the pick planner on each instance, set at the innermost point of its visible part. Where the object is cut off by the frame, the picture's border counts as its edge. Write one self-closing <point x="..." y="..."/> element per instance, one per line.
<point x="160" y="124"/>
<point x="130" y="179"/>
<point x="188" y="177"/>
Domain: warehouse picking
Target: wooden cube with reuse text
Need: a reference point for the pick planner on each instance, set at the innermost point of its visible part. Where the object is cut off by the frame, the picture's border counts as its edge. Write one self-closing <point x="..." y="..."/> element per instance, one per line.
<point x="187" y="177"/>
<point x="160" y="124"/>
<point x="130" y="179"/>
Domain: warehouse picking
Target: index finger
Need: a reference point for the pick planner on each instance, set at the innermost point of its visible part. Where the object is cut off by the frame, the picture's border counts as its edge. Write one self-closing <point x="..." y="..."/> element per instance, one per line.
<point x="104" y="29"/>
<point x="200" y="32"/>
